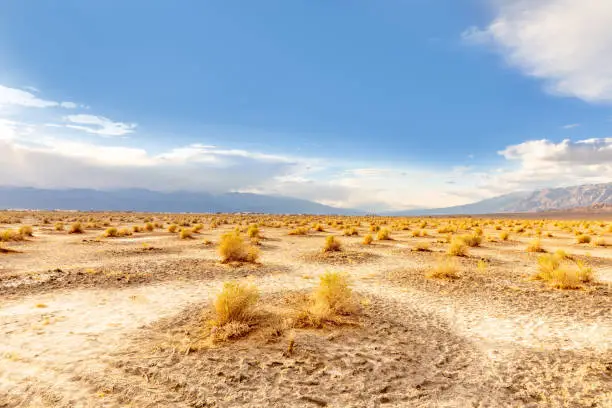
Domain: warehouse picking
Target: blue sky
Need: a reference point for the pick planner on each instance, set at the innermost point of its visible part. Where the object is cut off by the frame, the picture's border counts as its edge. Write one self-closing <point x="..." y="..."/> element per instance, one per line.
<point x="376" y="105"/>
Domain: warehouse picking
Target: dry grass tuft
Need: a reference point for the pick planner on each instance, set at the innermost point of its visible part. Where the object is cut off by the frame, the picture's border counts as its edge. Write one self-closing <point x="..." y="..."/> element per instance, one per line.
<point x="446" y="268"/>
<point x="367" y="240"/>
<point x="583" y="239"/>
<point x="232" y="248"/>
<point x="332" y="299"/>
<point x="421" y="247"/>
<point x="76" y="228"/>
<point x="186" y="233"/>
<point x="457" y="247"/>
<point x="562" y="276"/>
<point x="535" y="246"/>
<point x="383" y="234"/>
<point x="235" y="303"/>
<point x="111" y="232"/>
<point x="26" y="231"/>
<point x="299" y="231"/>
<point x="332" y="244"/>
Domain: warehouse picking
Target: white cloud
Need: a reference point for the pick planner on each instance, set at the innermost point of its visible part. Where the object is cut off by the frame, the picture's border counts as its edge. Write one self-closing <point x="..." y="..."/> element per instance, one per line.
<point x="571" y="126"/>
<point x="69" y="105"/>
<point x="567" y="43"/>
<point x="543" y="163"/>
<point x="19" y="97"/>
<point x="99" y="125"/>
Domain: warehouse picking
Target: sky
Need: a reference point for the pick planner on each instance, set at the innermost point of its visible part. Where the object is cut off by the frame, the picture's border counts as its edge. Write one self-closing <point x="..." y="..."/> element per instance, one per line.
<point x="375" y="105"/>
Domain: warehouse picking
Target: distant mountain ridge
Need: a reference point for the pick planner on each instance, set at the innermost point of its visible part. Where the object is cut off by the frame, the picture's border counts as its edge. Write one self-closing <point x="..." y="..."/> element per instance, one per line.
<point x="154" y="201"/>
<point x="546" y="199"/>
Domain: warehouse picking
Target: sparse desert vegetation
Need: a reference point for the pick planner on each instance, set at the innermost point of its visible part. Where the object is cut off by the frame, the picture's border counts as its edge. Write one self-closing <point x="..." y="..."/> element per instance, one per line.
<point x="257" y="297"/>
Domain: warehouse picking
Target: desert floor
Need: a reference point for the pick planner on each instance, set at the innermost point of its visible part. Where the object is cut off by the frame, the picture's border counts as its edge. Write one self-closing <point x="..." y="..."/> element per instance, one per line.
<point x="87" y="321"/>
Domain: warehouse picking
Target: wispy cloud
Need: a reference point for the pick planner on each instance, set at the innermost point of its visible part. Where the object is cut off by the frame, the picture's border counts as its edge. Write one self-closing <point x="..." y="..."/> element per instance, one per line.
<point x="98" y="125"/>
<point x="19" y="97"/>
<point x="571" y="126"/>
<point x="567" y="43"/>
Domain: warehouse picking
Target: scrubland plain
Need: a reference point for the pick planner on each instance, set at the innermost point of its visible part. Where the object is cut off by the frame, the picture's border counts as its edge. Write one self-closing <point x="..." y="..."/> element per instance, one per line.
<point x="199" y="310"/>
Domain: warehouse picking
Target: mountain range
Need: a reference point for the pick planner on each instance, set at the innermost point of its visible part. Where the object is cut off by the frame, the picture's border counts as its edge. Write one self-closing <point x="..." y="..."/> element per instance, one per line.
<point x="583" y="196"/>
<point x="546" y="199"/>
<point x="155" y="201"/>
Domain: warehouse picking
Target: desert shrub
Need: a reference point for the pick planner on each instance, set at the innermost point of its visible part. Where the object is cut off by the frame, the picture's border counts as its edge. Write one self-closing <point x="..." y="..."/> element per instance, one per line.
<point x="447" y="229"/>
<point x="367" y="240"/>
<point x="332" y="244"/>
<point x="350" y="231"/>
<point x="186" y="233"/>
<point x="600" y="242"/>
<point x="583" y="239"/>
<point x="172" y="228"/>
<point x="318" y="228"/>
<point x="124" y="232"/>
<point x="504" y="235"/>
<point x="383" y="234"/>
<point x="26" y="231"/>
<point x="136" y="228"/>
<point x="149" y="226"/>
<point x="562" y="276"/>
<point x="76" y="228"/>
<point x="59" y="226"/>
<point x="299" y="231"/>
<point x="232" y="248"/>
<point x="197" y="228"/>
<point x="457" y="247"/>
<point x="235" y="303"/>
<point x="111" y="232"/>
<point x="421" y="246"/>
<point x="333" y="297"/>
<point x="374" y="228"/>
<point x="535" y="246"/>
<point x="473" y="240"/>
<point x="253" y="231"/>
<point x="446" y="268"/>
<point x="11" y="235"/>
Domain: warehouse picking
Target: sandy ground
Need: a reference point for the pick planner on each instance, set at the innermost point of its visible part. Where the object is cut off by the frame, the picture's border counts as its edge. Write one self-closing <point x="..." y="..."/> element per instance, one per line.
<point x="82" y="321"/>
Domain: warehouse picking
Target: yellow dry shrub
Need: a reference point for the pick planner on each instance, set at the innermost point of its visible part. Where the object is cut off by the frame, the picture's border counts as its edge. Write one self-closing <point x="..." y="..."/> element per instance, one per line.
<point x="253" y="231"/>
<point x="59" y="226"/>
<point x="76" y="228"/>
<point x="600" y="242"/>
<point x="535" y="246"/>
<point x="186" y="233"/>
<point x="383" y="234"/>
<point x="172" y="228"/>
<point x="232" y="248"/>
<point x="446" y="268"/>
<point x="111" y="232"/>
<point x="504" y="235"/>
<point x="235" y="303"/>
<point x="26" y="231"/>
<point x="421" y="247"/>
<point x="473" y="240"/>
<point x="299" y="231"/>
<point x="367" y="240"/>
<point x="583" y="239"/>
<point x="457" y="247"/>
<point x="562" y="276"/>
<point x="332" y="297"/>
<point x="332" y="244"/>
